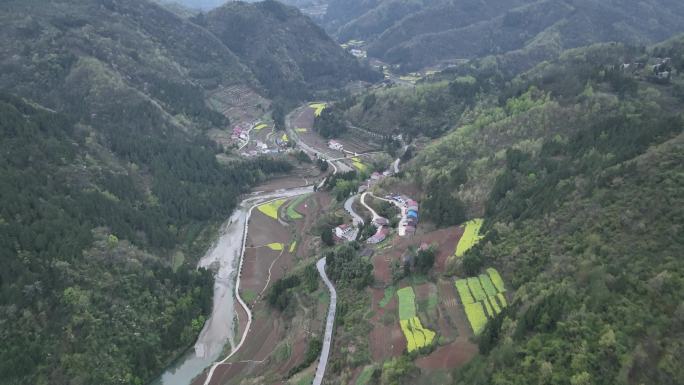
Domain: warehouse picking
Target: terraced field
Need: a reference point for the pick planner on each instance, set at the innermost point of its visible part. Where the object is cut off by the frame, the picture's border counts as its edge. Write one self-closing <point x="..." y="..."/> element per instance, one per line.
<point x="482" y="297"/>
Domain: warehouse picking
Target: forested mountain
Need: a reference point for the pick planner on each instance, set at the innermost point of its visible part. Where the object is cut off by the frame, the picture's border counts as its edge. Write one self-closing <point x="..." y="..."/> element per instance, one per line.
<point x="587" y="223"/>
<point x="108" y="186"/>
<point x="204" y="5"/>
<point x="577" y="168"/>
<point x="415" y="34"/>
<point x="285" y="49"/>
<point x="207" y="5"/>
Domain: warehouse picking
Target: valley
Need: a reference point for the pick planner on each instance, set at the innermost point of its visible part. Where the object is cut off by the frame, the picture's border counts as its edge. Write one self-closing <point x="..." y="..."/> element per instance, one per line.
<point x="341" y="192"/>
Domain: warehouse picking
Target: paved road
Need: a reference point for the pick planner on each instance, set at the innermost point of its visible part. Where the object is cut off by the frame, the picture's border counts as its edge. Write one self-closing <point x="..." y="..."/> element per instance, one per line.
<point x="363" y="202"/>
<point x="358" y="221"/>
<point x="329" y="323"/>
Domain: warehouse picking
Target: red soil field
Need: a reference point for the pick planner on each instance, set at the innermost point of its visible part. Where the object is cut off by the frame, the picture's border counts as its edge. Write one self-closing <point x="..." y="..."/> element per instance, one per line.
<point x="381" y="267"/>
<point x="449" y="356"/>
<point x="461" y="350"/>
<point x="305" y="119"/>
<point x="386" y="341"/>
<point x="255" y="268"/>
<point x="296" y="355"/>
<point x="269" y="230"/>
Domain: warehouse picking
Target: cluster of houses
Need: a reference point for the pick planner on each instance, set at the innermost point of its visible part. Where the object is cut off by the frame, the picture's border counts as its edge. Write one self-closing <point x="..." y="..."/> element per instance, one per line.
<point x="409" y="214"/>
<point x="358" y="53"/>
<point x="661" y="70"/>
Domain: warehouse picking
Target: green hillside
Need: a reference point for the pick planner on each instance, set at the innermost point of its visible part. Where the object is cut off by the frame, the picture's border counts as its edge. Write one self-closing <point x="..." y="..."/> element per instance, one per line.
<point x="289" y="54"/>
<point x="416" y="34"/>
<point x="106" y="177"/>
<point x="577" y="167"/>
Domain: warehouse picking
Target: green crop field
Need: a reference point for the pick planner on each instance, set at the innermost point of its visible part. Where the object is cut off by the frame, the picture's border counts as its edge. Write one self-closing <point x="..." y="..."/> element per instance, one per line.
<point x="463" y="291"/>
<point x="248" y="295"/>
<point x="488" y="308"/>
<point x="291" y="211"/>
<point x="276" y="246"/>
<point x="432" y="301"/>
<point x="495" y="306"/>
<point x="359" y="165"/>
<point x="496" y="279"/>
<point x="471" y="236"/>
<point x="365" y="376"/>
<point x="482" y="297"/>
<point x="318" y="108"/>
<point x="487" y="285"/>
<point x="293" y="246"/>
<point x="476" y="289"/>
<point x="389" y="293"/>
<point x="502" y="299"/>
<point x="260" y="126"/>
<point x="407" y="303"/>
<point x="416" y="335"/>
<point x="476" y="316"/>
<point x="271" y="209"/>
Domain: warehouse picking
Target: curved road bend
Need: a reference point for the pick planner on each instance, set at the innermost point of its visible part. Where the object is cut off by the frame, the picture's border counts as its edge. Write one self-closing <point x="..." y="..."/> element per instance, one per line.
<point x="329" y="323"/>
<point x="363" y="202"/>
<point x="348" y="205"/>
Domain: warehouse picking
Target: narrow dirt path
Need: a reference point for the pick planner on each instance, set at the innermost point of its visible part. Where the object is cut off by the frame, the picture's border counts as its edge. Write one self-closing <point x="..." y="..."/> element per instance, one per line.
<point x="268" y="279"/>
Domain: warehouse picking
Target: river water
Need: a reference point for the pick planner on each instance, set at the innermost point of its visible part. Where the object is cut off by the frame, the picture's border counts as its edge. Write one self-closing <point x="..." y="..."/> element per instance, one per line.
<point x="223" y="257"/>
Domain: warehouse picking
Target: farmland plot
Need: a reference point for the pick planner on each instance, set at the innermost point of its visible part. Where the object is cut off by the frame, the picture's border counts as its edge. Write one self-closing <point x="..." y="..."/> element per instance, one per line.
<point x="482" y="297"/>
<point x="271" y="209"/>
<point x="471" y="236"/>
<point x="416" y="335"/>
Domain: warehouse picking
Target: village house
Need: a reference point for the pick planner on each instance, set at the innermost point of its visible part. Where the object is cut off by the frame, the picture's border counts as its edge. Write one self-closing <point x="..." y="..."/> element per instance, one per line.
<point x="379" y="235"/>
<point x="335" y="145"/>
<point x="345" y="232"/>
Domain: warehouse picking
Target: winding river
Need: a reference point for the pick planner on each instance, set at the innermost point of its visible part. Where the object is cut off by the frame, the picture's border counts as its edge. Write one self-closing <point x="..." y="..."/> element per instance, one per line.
<point x="224" y="258"/>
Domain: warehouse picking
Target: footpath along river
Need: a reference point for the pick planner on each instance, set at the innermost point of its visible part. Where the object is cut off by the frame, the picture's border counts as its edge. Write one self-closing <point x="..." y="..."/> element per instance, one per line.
<point x="219" y="329"/>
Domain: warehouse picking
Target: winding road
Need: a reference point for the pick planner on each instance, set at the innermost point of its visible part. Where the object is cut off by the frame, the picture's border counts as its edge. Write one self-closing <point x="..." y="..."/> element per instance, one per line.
<point x="329" y="324"/>
<point x="363" y="202"/>
<point x="348" y="205"/>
